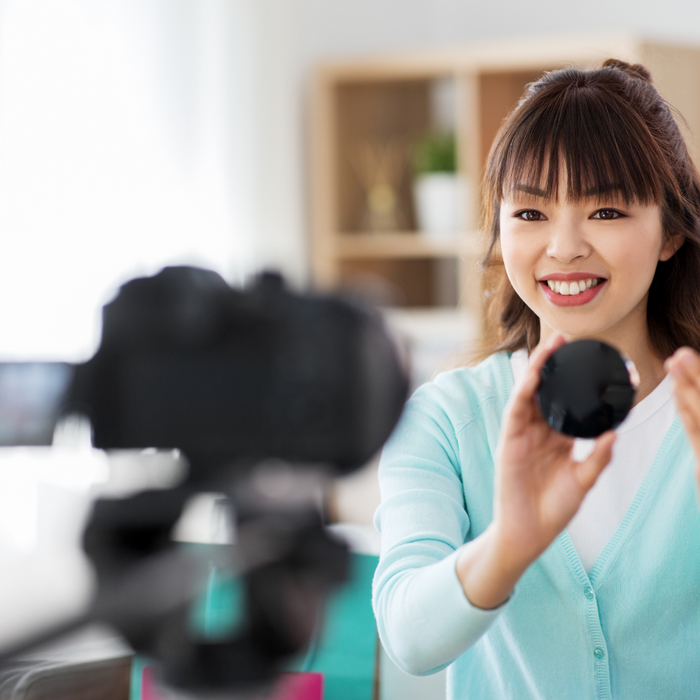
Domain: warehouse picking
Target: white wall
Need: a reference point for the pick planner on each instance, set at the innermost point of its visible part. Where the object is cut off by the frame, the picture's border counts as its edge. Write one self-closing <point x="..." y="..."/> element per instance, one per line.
<point x="333" y="27"/>
<point x="131" y="135"/>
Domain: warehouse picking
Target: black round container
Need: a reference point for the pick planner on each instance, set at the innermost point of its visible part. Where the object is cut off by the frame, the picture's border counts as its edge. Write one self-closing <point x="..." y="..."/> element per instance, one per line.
<point x="586" y="388"/>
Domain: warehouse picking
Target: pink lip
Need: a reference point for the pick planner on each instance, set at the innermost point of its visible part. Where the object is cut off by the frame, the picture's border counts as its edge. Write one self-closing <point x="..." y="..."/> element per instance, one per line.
<point x="577" y="299"/>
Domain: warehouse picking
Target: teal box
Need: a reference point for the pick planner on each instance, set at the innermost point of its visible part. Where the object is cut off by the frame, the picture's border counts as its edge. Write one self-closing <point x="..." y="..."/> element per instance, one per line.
<point x="345" y="649"/>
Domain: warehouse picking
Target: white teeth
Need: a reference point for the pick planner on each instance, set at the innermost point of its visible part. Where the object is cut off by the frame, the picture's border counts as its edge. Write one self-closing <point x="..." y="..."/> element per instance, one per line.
<point x="572" y="288"/>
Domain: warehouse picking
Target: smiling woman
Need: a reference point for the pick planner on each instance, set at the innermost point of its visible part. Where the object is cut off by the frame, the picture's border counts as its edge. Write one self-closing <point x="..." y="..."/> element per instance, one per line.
<point x="531" y="566"/>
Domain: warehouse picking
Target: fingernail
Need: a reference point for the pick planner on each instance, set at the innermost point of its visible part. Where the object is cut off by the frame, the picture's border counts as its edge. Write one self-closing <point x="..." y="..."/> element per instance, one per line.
<point x="555" y="339"/>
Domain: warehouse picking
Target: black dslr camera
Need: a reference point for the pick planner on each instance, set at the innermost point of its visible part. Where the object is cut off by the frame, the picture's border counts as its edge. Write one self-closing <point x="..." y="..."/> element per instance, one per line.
<point x="233" y="379"/>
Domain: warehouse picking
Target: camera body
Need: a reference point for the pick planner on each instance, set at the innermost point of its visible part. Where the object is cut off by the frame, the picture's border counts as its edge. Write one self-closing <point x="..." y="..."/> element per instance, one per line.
<point x="186" y="361"/>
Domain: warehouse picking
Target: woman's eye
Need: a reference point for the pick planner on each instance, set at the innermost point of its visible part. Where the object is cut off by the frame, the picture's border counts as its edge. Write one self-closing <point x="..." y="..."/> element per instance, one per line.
<point x="607" y="214"/>
<point x="530" y="215"/>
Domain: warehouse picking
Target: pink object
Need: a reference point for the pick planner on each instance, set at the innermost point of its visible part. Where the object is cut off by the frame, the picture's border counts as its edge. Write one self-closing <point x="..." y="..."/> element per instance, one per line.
<point x="290" y="686"/>
<point x="149" y="690"/>
<point x="299" y="686"/>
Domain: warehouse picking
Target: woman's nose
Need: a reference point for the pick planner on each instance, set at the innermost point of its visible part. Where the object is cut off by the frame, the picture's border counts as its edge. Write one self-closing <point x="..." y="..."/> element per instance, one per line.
<point x="567" y="243"/>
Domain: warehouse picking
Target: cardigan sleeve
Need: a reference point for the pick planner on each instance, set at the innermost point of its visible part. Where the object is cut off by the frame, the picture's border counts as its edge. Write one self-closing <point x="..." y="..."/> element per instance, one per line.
<point x="424" y="618"/>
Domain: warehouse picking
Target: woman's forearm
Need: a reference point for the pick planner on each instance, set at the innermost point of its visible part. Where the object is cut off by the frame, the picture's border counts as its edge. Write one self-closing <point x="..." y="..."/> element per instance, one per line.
<point x="488" y="571"/>
<point x="424" y="619"/>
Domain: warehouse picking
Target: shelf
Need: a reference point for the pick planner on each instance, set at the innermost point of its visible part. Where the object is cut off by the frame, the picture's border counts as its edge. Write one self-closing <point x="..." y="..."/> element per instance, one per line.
<point x="406" y="244"/>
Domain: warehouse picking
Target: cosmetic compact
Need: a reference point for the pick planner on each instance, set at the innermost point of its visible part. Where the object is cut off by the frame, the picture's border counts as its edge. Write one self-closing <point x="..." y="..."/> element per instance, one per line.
<point x="586" y="388"/>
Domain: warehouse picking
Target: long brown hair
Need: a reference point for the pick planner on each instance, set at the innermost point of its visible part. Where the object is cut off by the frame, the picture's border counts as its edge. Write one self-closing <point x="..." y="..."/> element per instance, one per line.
<point x="608" y="128"/>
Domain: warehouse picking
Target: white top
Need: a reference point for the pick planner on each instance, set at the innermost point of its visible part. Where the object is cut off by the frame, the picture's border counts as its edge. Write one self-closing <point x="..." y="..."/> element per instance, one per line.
<point x="638" y="440"/>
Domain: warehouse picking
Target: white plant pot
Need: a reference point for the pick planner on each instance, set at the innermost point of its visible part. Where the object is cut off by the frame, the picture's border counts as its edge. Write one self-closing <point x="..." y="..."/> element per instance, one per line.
<point x="439" y="201"/>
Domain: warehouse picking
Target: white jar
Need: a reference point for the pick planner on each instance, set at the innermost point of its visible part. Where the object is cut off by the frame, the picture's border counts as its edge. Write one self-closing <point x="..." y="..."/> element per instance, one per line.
<point x="439" y="200"/>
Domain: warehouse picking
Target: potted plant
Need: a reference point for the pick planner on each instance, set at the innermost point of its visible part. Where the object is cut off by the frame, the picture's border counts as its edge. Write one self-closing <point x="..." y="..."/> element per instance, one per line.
<point x="436" y="185"/>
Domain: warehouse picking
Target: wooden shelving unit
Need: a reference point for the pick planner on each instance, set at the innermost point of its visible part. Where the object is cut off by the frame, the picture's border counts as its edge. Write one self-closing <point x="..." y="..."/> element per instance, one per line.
<point x="391" y="99"/>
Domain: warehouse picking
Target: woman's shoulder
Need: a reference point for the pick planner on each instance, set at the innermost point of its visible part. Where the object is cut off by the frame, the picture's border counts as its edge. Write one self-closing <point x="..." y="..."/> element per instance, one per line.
<point x="490" y="378"/>
<point x="461" y="393"/>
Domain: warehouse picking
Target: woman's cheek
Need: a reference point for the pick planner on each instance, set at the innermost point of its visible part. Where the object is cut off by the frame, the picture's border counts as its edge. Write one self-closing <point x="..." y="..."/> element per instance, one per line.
<point x="519" y="267"/>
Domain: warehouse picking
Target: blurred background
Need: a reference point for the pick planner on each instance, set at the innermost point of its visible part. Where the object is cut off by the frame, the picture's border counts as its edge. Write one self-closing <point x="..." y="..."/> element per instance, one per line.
<point x="339" y="142"/>
<point x="136" y="133"/>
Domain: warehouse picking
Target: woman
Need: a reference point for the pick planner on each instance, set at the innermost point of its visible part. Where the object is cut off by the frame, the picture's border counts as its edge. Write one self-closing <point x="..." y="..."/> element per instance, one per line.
<point x="503" y="553"/>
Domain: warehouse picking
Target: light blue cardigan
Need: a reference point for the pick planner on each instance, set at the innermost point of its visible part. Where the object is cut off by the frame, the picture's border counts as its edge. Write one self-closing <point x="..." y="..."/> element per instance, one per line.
<point x="630" y="629"/>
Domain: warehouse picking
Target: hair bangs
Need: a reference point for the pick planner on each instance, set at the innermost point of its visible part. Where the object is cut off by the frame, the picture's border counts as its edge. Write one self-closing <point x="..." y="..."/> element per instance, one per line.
<point x="593" y="144"/>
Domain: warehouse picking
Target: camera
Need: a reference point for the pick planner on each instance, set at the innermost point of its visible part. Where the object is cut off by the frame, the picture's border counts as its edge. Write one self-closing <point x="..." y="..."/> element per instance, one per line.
<point x="249" y="385"/>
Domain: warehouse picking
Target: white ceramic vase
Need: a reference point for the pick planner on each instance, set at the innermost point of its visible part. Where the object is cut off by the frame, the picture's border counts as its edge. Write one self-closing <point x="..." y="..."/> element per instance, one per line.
<point x="438" y="199"/>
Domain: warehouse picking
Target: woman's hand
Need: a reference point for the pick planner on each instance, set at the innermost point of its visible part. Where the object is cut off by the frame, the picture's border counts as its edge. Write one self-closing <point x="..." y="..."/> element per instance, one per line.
<point x="539" y="487"/>
<point x="684" y="368"/>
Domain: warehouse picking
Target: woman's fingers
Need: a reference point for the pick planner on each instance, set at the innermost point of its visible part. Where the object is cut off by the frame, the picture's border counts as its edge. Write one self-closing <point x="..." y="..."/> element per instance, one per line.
<point x="688" y="404"/>
<point x="685" y="363"/>
<point x="522" y="406"/>
<point x="687" y="395"/>
<point x="589" y="470"/>
<point x="684" y="367"/>
<point x="542" y="353"/>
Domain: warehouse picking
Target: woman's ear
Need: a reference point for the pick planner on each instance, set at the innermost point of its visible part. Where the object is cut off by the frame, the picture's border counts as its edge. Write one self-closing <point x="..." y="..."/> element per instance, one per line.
<point x="670" y="246"/>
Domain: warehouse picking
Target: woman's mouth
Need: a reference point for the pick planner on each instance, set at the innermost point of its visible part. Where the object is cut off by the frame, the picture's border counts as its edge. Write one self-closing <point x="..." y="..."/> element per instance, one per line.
<point x="572" y="292"/>
<point x="572" y="288"/>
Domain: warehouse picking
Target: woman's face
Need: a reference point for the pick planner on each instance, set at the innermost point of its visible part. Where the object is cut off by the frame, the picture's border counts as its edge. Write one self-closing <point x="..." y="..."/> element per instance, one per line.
<point x="583" y="267"/>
